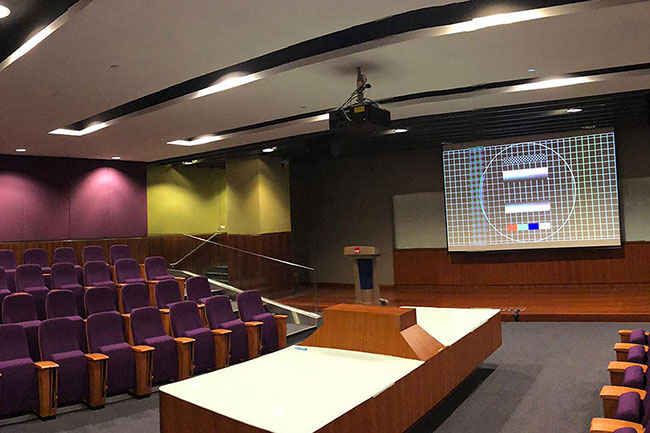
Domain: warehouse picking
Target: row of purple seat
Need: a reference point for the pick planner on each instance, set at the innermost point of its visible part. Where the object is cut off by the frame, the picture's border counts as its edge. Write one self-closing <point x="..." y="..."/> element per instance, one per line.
<point x="63" y="339"/>
<point x="626" y="404"/>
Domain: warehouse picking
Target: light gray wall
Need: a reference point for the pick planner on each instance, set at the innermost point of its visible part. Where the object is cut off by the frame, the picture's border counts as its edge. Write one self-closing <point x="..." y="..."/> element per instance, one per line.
<point x="349" y="201"/>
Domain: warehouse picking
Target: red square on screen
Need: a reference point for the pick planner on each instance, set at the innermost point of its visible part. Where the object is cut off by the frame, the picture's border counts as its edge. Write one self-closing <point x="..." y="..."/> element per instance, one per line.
<point x="512" y="227"/>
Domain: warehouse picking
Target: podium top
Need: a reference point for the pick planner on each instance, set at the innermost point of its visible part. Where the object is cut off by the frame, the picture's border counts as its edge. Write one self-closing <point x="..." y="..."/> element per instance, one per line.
<point x="360" y="251"/>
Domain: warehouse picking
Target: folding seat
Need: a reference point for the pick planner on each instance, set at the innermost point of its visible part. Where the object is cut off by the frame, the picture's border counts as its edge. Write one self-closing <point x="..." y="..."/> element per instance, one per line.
<point x="59" y="343"/>
<point x="127" y="271"/>
<point x="130" y="368"/>
<point x="211" y="348"/>
<point x="118" y="252"/>
<point x="198" y="289"/>
<point x="274" y="327"/>
<point x="37" y="256"/>
<point x="20" y="309"/>
<point x="68" y="255"/>
<point x="8" y="263"/>
<point x="98" y="274"/>
<point x="62" y="303"/>
<point x="167" y="294"/>
<point x="172" y="358"/>
<point x="623" y="408"/>
<point x="93" y="253"/>
<point x="64" y="277"/>
<point x="98" y="300"/>
<point x="245" y="339"/>
<point x="4" y="285"/>
<point x="19" y="383"/>
<point x="134" y="296"/>
<point x="156" y="270"/>
<point x="29" y="279"/>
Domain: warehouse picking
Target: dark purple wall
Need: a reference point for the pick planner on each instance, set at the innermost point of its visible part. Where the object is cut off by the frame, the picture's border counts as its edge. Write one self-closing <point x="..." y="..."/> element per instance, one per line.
<point x="63" y="198"/>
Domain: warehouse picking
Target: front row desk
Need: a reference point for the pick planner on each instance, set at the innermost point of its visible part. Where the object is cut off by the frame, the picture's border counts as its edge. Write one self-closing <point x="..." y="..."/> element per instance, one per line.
<point x="368" y="368"/>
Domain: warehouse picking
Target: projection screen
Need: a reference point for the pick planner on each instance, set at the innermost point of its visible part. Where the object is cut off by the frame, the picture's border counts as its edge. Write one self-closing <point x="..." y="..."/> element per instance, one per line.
<point x="541" y="193"/>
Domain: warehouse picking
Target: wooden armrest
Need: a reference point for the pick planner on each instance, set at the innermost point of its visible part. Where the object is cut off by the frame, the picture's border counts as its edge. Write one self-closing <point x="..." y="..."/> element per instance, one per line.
<point x="609" y="425"/>
<point x="96" y="357"/>
<point x="614" y="392"/>
<point x="627" y="346"/>
<point x="621" y="366"/>
<point x="251" y="324"/>
<point x="143" y="370"/>
<point x="179" y="279"/>
<point x="281" y="325"/>
<point x="97" y="378"/>
<point x="280" y="316"/>
<point x="185" y="353"/>
<point x="125" y="315"/>
<point x="47" y="373"/>
<point x="164" y="310"/>
<point x="142" y="349"/>
<point x="221" y="331"/>
<point x="44" y="365"/>
<point x="624" y="331"/>
<point x="222" y="347"/>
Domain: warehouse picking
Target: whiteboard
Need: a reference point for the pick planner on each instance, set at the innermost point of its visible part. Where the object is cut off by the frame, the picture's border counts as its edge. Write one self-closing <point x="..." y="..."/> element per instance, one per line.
<point x="419" y="220"/>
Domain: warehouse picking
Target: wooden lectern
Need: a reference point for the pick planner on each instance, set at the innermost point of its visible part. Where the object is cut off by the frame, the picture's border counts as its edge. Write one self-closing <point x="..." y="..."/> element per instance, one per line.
<point x="366" y="289"/>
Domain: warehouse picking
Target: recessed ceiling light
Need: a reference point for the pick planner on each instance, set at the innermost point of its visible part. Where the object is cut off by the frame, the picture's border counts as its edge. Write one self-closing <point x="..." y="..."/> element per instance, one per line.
<point x="496" y="20"/>
<point x="116" y="157"/>
<point x="4" y="11"/>
<point x="531" y="70"/>
<point x="192" y="162"/>
<point x="548" y="84"/>
<point x="399" y="130"/>
<point x="589" y="127"/>
<point x="573" y="110"/>
<point x="21" y="150"/>
<point x="269" y="149"/>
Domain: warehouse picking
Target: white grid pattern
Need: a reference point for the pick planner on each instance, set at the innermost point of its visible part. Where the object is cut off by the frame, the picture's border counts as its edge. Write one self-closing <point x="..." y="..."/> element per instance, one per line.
<point x="581" y="187"/>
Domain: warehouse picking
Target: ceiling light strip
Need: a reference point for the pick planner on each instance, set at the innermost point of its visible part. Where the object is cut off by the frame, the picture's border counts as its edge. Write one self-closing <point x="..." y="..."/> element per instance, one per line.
<point x="43" y="33"/>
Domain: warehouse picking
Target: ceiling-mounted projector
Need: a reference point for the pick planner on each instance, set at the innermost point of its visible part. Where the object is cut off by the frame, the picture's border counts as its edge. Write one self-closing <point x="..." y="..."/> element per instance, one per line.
<point x="362" y="117"/>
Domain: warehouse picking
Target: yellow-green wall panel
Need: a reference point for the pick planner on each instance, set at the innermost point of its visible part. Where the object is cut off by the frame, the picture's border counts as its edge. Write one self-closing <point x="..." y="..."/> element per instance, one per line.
<point x="185" y="199"/>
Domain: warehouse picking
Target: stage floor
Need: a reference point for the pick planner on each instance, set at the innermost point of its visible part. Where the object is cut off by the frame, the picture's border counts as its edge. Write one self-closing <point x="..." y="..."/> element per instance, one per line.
<point x="314" y="386"/>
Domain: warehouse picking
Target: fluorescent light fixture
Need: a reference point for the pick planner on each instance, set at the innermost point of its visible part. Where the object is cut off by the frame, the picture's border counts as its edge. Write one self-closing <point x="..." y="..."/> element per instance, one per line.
<point x="573" y="110"/>
<point x="227" y="83"/>
<point x="74" y="133"/>
<point x="269" y="149"/>
<point x="197" y="141"/>
<point x="21" y="150"/>
<point x="320" y="117"/>
<point x="399" y="130"/>
<point x="548" y="84"/>
<point x="192" y="162"/>
<point x="116" y="157"/>
<point x="4" y="11"/>
<point x="495" y="20"/>
<point x="531" y="70"/>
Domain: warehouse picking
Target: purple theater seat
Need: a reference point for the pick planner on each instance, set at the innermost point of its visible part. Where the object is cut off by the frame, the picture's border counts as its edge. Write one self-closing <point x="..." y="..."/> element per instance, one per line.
<point x="198" y="289"/>
<point x="632" y="408"/>
<point x="29" y="279"/>
<point x="186" y="322"/>
<point x="251" y="309"/>
<point x="147" y="329"/>
<point x="20" y="309"/>
<point x="167" y="293"/>
<point x="37" y="256"/>
<point x="62" y="303"/>
<point x="64" y="277"/>
<point x="59" y="343"/>
<point x="19" y="385"/>
<point x="118" y="252"/>
<point x="93" y="253"/>
<point x="637" y="354"/>
<point x="99" y="300"/>
<point x="630" y="430"/>
<point x="637" y="336"/>
<point x="127" y="271"/>
<point x="155" y="269"/>
<point x="106" y="335"/>
<point x="4" y="287"/>
<point x="69" y="255"/>
<point x="135" y="296"/>
<point x="634" y="377"/>
<point x="220" y="316"/>
<point x="98" y="274"/>
<point x="8" y="262"/>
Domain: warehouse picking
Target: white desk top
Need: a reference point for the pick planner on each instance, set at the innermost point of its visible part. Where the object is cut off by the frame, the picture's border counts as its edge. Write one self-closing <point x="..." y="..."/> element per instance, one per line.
<point x="448" y="325"/>
<point x="294" y="390"/>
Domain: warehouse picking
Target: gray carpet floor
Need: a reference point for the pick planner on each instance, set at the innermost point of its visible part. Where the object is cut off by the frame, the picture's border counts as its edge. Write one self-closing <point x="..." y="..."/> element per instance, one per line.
<point x="544" y="378"/>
